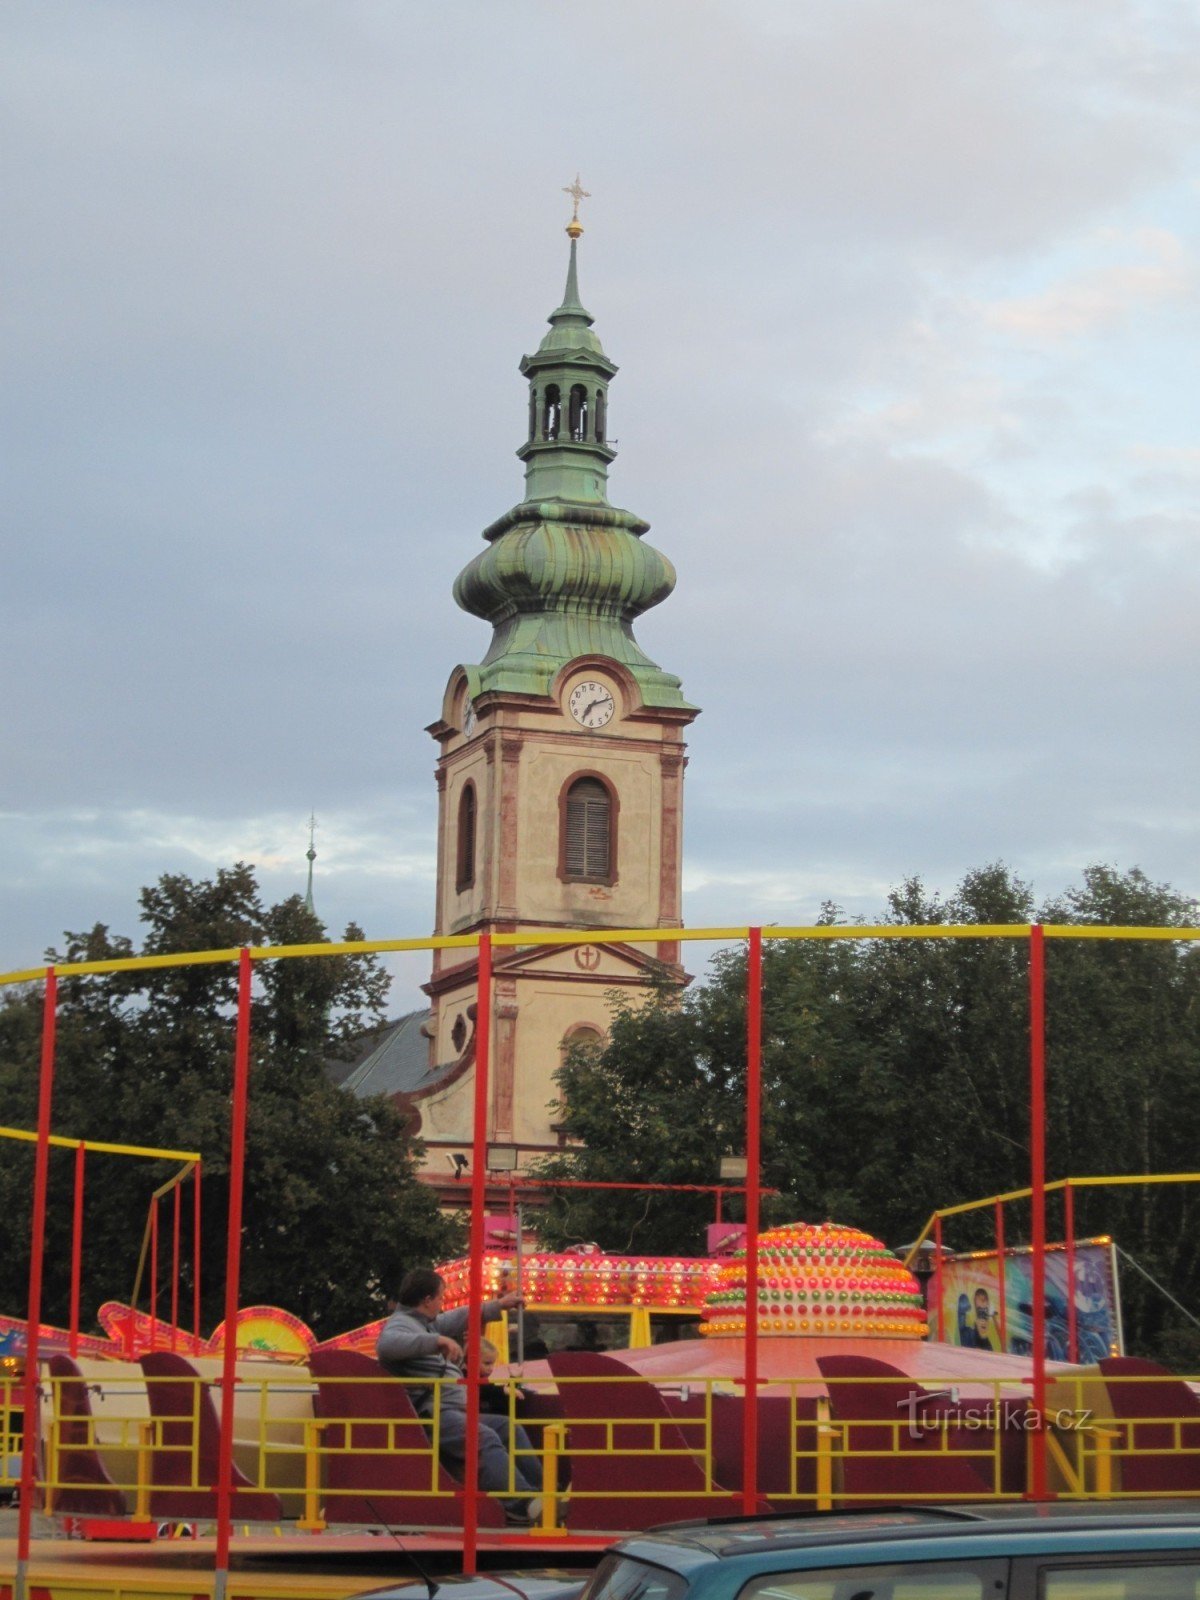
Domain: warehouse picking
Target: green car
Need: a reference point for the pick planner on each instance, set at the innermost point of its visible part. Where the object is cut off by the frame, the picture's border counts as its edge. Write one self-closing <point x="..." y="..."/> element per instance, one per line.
<point x="1090" y="1551"/>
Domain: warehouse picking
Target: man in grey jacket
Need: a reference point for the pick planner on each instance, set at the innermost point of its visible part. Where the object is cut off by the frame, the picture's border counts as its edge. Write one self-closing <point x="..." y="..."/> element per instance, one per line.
<point x="421" y="1340"/>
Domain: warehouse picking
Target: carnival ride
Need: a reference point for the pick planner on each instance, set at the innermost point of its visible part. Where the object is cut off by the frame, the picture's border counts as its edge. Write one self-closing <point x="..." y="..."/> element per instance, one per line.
<point x="817" y="1323"/>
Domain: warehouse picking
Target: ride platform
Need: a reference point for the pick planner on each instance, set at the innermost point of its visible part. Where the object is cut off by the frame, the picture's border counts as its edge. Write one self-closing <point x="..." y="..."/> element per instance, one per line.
<point x="268" y="1566"/>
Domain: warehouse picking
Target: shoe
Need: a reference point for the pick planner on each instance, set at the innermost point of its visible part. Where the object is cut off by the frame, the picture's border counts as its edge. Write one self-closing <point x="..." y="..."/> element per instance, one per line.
<point x="522" y="1513"/>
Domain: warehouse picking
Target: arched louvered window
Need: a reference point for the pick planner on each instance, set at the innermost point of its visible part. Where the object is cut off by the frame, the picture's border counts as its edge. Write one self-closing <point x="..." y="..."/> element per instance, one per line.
<point x="578" y="413"/>
<point x="464" y="875"/>
<point x="550" y="412"/>
<point x="589" y="834"/>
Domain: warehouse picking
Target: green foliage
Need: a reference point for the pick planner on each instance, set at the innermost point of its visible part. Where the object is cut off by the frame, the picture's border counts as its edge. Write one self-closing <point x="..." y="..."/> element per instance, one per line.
<point x="896" y="1080"/>
<point x="333" y="1210"/>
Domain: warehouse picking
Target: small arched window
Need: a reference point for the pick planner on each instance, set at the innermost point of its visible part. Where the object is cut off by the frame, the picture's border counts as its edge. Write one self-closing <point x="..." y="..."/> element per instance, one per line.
<point x="588" y="848"/>
<point x="578" y="413"/>
<point x="599" y="416"/>
<point x="464" y="875"/>
<point x="550" y="411"/>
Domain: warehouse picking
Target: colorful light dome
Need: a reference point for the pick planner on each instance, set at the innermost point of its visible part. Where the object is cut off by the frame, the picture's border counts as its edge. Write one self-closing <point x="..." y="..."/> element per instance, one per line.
<point x="819" y="1279"/>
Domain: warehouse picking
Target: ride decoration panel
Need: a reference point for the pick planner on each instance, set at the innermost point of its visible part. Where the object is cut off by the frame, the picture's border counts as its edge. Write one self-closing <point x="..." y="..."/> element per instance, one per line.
<point x="822" y="1279"/>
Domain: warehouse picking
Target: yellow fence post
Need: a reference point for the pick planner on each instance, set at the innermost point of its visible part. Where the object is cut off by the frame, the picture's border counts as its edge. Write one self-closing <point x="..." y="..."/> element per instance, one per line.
<point x="312" y="1520"/>
<point x="827" y="1431"/>
<point x="146" y="1431"/>
<point x="552" y="1443"/>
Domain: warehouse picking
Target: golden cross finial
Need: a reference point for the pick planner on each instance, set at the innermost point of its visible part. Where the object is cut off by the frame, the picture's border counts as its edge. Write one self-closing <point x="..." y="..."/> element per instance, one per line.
<point x="577" y="193"/>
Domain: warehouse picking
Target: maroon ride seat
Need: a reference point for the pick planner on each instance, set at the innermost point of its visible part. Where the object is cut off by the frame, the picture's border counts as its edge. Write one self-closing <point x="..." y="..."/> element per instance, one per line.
<point x="614" y="1489"/>
<point x="382" y="1469"/>
<point x="874" y="1417"/>
<point x="1161" y="1417"/>
<point x="84" y="1486"/>
<point x="183" y="1463"/>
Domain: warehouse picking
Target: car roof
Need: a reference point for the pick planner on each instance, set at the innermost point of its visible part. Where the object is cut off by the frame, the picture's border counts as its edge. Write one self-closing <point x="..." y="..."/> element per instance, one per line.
<point x="684" y="1546"/>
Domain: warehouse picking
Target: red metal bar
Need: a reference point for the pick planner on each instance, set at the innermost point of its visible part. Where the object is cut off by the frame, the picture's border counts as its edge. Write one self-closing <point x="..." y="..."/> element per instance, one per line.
<point x="233" y="1268"/>
<point x="1000" y="1265"/>
<point x="1037" y="1183"/>
<point x="175" y="1268"/>
<point x="753" y="1164"/>
<point x="196" y="1236"/>
<point x="154" y="1272"/>
<point x="483" y="1038"/>
<point x="37" y="1258"/>
<point x="76" y="1251"/>
<point x="1072" y="1327"/>
<point x="937" y="1279"/>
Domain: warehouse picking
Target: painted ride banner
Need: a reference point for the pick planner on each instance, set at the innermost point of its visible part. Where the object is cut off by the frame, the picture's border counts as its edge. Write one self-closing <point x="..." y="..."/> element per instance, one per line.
<point x="978" y="1314"/>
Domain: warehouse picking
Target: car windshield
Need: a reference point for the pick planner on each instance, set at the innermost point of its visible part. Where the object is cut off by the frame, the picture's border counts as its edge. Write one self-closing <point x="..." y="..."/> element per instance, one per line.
<point x="949" y="1580"/>
<point x="622" y="1578"/>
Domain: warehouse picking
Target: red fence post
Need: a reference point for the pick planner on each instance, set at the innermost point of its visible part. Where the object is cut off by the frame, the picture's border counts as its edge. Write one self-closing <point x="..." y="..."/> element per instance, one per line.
<point x="154" y="1272"/>
<point x="753" y="1180"/>
<point x="37" y="1257"/>
<point x="1072" y="1323"/>
<point x="76" y="1250"/>
<point x="196" y="1238"/>
<point x="483" y="1035"/>
<point x="175" y="1268"/>
<point x="233" y="1268"/>
<point x="1037" y="1183"/>
<point x="937" y="1279"/>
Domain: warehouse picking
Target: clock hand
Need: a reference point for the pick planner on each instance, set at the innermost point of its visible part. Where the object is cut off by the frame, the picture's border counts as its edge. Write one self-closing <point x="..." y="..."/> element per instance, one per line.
<point x="603" y="701"/>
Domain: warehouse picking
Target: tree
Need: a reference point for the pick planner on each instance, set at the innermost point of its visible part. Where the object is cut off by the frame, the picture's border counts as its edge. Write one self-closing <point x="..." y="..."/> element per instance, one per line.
<point x="896" y="1080"/>
<point x="333" y="1210"/>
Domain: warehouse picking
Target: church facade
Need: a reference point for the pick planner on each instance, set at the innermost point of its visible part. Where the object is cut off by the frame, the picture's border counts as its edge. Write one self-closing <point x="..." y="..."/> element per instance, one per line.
<point x="559" y="775"/>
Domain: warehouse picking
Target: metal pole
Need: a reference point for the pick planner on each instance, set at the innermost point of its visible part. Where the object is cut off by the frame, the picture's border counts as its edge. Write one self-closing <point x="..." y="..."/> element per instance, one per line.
<point x="233" y="1266"/>
<point x="1037" y="1183"/>
<point x="515" y="1207"/>
<point x="1072" y="1324"/>
<point x="483" y="1019"/>
<point x="37" y="1247"/>
<point x="937" y="1279"/>
<point x="154" y="1272"/>
<point x="753" y="1180"/>
<point x="175" y="1267"/>
<point x="1000" y="1266"/>
<point x="76" y="1250"/>
<point x="196" y="1238"/>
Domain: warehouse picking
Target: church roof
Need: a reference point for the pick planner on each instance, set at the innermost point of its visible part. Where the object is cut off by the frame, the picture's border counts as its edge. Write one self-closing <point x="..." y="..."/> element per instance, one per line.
<point x="397" y="1060"/>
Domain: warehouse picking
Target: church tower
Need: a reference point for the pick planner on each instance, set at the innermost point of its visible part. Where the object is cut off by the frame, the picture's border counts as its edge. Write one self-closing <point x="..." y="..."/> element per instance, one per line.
<point x="560" y="773"/>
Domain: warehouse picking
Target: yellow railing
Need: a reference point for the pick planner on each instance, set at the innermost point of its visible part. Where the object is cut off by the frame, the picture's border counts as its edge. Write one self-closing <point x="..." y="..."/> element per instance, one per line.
<point x="282" y="1447"/>
<point x="537" y="938"/>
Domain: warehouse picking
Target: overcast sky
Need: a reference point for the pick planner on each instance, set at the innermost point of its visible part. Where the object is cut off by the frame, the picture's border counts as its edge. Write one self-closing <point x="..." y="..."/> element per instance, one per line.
<point x="904" y="296"/>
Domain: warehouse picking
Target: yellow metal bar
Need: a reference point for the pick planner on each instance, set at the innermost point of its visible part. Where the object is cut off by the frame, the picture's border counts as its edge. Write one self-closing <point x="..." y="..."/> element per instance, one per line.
<point x="312" y="1521"/>
<point x="1116" y="1181"/>
<point x="100" y="1148"/>
<point x="572" y="936"/>
<point x="146" y="1432"/>
<point x="363" y="947"/>
<point x="904" y="930"/>
<point x="1100" y="931"/>
<point x="552" y="1444"/>
<point x="827" y="1432"/>
<point x="1072" y="1473"/>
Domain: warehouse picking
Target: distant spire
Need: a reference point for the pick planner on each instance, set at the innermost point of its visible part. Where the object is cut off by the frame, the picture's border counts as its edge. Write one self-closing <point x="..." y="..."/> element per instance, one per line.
<point x="312" y="856"/>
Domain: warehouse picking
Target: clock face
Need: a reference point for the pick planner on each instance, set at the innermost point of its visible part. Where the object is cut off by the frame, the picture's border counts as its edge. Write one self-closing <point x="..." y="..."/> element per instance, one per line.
<point x="592" y="704"/>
